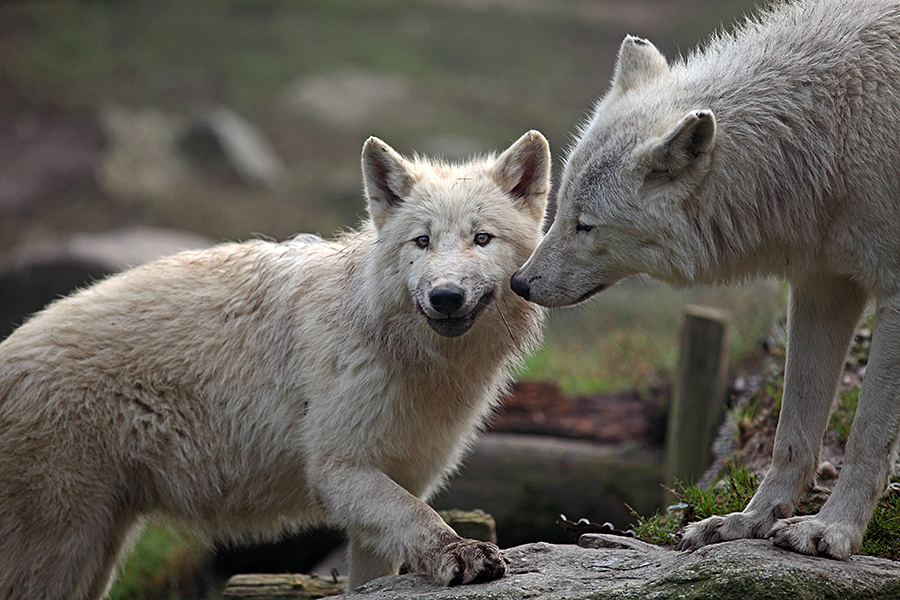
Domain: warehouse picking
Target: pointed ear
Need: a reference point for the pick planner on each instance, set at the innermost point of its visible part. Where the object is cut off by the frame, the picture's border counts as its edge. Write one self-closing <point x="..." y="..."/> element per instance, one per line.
<point x="387" y="177"/>
<point x="639" y="62"/>
<point x="686" y="144"/>
<point x="523" y="173"/>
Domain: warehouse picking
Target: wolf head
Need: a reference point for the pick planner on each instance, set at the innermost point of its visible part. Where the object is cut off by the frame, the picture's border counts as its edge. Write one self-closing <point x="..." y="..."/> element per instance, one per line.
<point x="453" y="234"/>
<point x="639" y="159"/>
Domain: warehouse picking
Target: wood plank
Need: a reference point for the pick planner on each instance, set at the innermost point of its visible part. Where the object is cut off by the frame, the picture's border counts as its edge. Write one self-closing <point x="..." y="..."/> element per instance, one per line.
<point x="282" y="587"/>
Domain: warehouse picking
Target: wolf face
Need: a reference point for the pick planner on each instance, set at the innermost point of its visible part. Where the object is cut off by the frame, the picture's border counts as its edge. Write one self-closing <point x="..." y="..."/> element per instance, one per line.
<point x="621" y="198"/>
<point x="448" y="230"/>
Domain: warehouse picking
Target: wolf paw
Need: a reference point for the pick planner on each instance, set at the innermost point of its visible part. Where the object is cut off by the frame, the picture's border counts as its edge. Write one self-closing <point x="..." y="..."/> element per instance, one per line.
<point x="469" y="561"/>
<point x="734" y="526"/>
<point x="813" y="536"/>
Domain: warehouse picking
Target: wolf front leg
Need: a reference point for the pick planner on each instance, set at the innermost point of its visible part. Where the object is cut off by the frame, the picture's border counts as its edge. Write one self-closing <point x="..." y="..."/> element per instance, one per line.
<point x="366" y="565"/>
<point x="838" y="529"/>
<point x="823" y="314"/>
<point x="386" y="525"/>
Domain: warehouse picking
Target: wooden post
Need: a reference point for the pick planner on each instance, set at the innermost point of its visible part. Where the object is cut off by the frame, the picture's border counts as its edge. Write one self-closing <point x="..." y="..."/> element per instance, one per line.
<point x="473" y="524"/>
<point x="699" y="396"/>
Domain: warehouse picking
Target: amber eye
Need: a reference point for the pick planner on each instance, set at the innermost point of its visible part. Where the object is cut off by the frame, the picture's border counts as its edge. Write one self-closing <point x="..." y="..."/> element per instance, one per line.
<point x="483" y="239"/>
<point x="422" y="241"/>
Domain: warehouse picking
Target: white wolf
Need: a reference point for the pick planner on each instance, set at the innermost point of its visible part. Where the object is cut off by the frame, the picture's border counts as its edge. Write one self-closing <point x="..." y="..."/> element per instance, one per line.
<point x="249" y="387"/>
<point x="773" y="151"/>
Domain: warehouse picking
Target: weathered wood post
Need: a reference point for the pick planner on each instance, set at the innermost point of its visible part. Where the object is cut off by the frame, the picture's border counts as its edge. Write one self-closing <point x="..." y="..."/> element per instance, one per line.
<point x="699" y="394"/>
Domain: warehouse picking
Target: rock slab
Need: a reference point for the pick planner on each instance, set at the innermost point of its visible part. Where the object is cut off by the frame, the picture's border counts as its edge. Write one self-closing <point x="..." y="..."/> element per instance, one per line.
<point x="604" y="567"/>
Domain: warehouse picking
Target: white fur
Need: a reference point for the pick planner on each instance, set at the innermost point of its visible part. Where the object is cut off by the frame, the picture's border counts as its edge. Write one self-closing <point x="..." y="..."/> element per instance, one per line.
<point x="771" y="151"/>
<point x="252" y="387"/>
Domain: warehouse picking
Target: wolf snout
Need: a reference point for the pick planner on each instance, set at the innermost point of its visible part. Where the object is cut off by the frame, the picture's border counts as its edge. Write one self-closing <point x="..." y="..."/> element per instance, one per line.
<point x="520" y="286"/>
<point x="451" y="311"/>
<point x="448" y="299"/>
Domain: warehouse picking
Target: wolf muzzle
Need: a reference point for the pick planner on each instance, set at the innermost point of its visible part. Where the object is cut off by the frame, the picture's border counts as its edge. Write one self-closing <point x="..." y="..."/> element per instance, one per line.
<point x="520" y="286"/>
<point x="449" y="302"/>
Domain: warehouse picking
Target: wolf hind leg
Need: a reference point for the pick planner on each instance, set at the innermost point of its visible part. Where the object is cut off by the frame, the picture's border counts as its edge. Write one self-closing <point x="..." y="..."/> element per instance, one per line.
<point x="823" y="314"/>
<point x="65" y="561"/>
<point x="120" y="543"/>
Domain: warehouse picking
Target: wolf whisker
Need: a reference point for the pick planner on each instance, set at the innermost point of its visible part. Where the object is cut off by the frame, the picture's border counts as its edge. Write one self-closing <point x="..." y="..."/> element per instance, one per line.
<point x="500" y="312"/>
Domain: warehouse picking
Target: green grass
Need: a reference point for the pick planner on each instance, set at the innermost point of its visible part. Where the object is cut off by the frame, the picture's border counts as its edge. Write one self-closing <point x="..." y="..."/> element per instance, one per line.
<point x="622" y="359"/>
<point x="484" y="75"/>
<point x="843" y="414"/>
<point x="695" y="504"/>
<point x="882" y="537"/>
<point x="883" y="534"/>
<point x="166" y="564"/>
<point x="628" y="336"/>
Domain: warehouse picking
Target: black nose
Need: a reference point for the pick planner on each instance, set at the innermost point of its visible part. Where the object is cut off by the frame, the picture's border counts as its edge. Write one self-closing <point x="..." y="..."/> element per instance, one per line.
<point x="519" y="286"/>
<point x="447" y="299"/>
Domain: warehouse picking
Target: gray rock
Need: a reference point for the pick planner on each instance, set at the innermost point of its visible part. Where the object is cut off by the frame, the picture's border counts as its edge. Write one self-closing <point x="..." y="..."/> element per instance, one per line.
<point x="351" y="97"/>
<point x="247" y="151"/>
<point x="110" y="251"/>
<point x="33" y="275"/>
<point x="611" y="568"/>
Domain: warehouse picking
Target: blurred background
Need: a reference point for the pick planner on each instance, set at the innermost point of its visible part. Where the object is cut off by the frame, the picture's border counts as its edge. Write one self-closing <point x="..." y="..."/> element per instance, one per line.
<point x="211" y="121"/>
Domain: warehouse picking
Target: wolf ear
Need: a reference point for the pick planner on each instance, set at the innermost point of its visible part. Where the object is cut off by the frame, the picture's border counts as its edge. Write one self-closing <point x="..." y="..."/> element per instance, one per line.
<point x="387" y="178"/>
<point x="639" y="62"/>
<point x="686" y="144"/>
<point x="523" y="173"/>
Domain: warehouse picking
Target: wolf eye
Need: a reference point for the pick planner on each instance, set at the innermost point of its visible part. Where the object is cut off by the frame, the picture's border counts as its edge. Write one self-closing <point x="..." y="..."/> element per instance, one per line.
<point x="422" y="241"/>
<point x="483" y="239"/>
<point x="583" y="226"/>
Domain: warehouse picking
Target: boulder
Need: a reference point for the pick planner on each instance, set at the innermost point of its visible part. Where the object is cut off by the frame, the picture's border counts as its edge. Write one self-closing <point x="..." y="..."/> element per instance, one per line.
<point x="36" y="274"/>
<point x="617" y="568"/>
<point x="243" y="146"/>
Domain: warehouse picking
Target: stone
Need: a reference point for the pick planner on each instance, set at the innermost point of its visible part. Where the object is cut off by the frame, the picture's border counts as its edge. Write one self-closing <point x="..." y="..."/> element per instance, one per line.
<point x="349" y="97"/>
<point x="629" y="569"/>
<point x="606" y="567"/>
<point x="35" y="274"/>
<point x="244" y="146"/>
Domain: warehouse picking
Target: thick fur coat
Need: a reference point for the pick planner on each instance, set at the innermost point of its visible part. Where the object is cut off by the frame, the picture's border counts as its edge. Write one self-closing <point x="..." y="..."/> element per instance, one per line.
<point x="251" y="387"/>
<point x="775" y="150"/>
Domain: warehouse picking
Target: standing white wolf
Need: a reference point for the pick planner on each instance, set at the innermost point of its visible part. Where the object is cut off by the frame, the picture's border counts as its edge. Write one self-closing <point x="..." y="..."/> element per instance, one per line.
<point x="249" y="387"/>
<point x="776" y="150"/>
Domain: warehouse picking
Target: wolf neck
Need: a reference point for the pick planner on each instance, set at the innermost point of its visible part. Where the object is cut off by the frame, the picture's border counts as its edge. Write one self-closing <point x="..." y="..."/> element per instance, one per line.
<point x="760" y="209"/>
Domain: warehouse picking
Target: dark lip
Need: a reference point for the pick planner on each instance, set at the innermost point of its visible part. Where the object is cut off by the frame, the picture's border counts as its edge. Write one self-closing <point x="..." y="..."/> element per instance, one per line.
<point x="590" y="293"/>
<point x="456" y="326"/>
